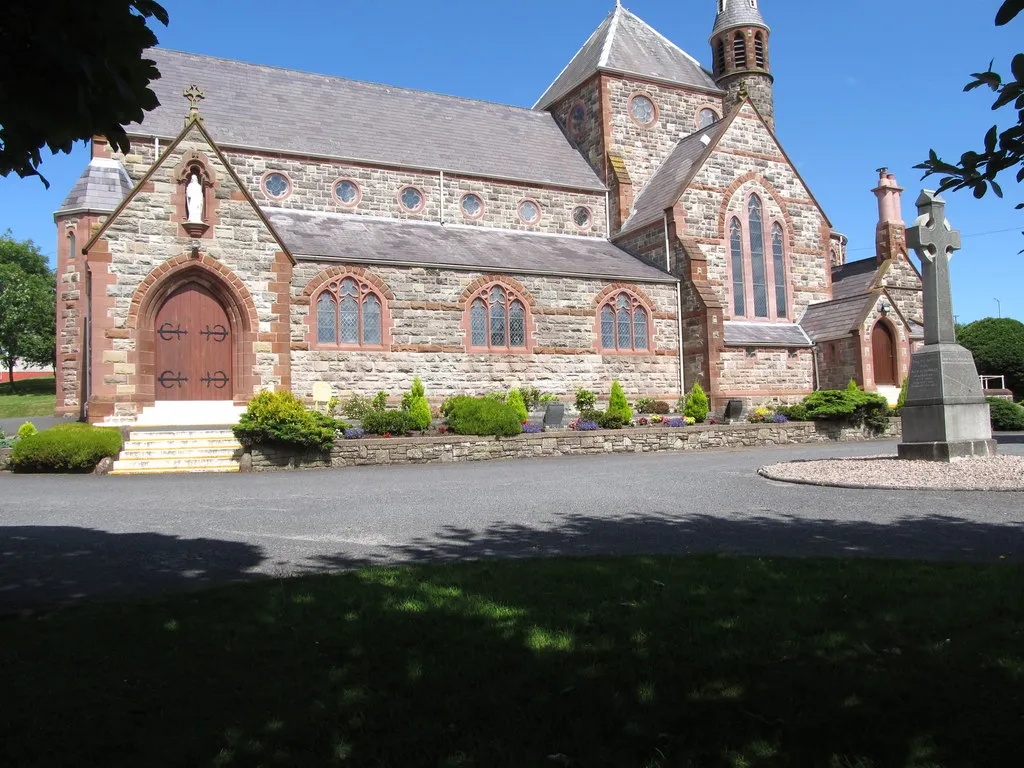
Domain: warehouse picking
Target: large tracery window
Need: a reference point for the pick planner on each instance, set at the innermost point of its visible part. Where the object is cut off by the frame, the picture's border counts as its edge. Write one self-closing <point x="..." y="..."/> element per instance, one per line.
<point x="497" y="321"/>
<point x="349" y="313"/>
<point x="625" y="324"/>
<point x="759" y="278"/>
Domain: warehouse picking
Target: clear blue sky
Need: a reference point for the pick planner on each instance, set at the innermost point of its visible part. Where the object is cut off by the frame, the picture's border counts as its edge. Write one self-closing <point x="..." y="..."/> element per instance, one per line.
<point x="859" y="84"/>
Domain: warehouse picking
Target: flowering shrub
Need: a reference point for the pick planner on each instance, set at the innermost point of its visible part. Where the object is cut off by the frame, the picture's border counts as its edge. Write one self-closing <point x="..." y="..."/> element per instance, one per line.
<point x="354" y="434"/>
<point x="584" y="425"/>
<point x="643" y="422"/>
<point x="780" y="419"/>
<point x="690" y="421"/>
<point x="677" y="422"/>
<point x="657" y="419"/>
<point x="532" y="429"/>
<point x="442" y="430"/>
<point x="761" y="415"/>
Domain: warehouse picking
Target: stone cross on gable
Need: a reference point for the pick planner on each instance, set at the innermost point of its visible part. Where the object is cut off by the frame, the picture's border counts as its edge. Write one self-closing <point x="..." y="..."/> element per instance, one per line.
<point x="194" y="94"/>
<point x="934" y="241"/>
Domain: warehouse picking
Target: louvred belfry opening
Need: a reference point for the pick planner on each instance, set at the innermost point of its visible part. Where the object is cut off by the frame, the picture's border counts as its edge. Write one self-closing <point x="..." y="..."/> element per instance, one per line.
<point x="193" y="347"/>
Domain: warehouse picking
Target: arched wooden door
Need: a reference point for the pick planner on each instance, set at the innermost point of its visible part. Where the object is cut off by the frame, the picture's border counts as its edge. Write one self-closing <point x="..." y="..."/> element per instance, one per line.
<point x="193" y="347"/>
<point x="883" y="347"/>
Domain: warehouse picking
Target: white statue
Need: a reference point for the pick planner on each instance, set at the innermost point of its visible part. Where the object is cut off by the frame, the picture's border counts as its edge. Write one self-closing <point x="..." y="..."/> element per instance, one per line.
<point x="194" y="200"/>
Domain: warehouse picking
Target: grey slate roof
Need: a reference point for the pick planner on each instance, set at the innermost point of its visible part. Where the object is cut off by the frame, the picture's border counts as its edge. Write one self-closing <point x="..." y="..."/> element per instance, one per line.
<point x="666" y="184"/>
<point x="261" y="107"/>
<point x="738" y="13"/>
<point x="835" y="319"/>
<point x="741" y="334"/>
<point x="625" y="43"/>
<point x="102" y="186"/>
<point x="854" y="278"/>
<point x="363" y="239"/>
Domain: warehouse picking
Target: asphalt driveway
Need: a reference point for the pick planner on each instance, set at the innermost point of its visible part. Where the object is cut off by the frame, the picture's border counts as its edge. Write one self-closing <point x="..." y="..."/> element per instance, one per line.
<point x="65" y="539"/>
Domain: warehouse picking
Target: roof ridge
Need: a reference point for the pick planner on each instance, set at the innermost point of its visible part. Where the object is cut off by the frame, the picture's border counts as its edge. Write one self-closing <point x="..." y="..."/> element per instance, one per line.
<point x="306" y="73"/>
<point x="606" y="49"/>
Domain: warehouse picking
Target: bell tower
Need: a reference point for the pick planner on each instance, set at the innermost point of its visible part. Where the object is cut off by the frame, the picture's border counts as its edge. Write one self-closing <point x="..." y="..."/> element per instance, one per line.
<point x="740" y="51"/>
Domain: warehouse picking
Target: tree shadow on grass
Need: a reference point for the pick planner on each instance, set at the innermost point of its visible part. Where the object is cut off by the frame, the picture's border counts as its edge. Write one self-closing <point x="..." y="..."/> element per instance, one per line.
<point x="708" y="661"/>
<point x="48" y="566"/>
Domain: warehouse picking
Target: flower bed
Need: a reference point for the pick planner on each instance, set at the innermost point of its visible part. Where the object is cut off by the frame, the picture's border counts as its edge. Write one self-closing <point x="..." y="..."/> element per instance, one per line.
<point x="449" y="449"/>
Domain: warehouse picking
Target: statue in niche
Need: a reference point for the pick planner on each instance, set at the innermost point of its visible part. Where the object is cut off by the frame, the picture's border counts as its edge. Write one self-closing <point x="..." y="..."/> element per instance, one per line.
<point x="194" y="202"/>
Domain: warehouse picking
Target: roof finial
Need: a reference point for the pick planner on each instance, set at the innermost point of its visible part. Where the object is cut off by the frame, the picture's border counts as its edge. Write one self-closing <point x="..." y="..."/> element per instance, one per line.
<point x="194" y="94"/>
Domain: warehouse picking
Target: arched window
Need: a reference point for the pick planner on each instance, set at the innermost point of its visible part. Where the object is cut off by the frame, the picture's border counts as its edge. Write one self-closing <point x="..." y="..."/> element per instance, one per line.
<point x="759" y="279"/>
<point x="720" y="56"/>
<point x="349" y="313"/>
<point x="498" y="321"/>
<point x="759" y="50"/>
<point x="707" y="117"/>
<point x="72" y="248"/>
<point x="625" y="324"/>
<point x="739" y="50"/>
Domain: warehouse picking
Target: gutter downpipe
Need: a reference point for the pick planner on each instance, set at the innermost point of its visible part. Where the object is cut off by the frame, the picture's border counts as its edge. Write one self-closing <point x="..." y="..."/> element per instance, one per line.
<point x="679" y="309"/>
<point x="442" y="197"/>
<point x="87" y="382"/>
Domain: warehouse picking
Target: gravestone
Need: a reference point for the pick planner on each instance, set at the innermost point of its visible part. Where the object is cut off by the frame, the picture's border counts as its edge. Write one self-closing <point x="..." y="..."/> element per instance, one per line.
<point x="945" y="417"/>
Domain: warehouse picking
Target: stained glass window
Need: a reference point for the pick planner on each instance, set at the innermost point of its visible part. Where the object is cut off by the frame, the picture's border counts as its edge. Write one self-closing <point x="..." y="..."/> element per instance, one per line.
<point x="327" y="319"/>
<point x="739" y="283"/>
<point x="624" y="324"/>
<point x="347" y="192"/>
<point x="642" y="109"/>
<point x="350" y="313"/>
<point x="276" y="185"/>
<point x="779" y="255"/>
<point x="497" y="320"/>
<point x="412" y="199"/>
<point x="582" y="217"/>
<point x="529" y="211"/>
<point x="708" y="117"/>
<point x="472" y="206"/>
<point x="758" y="271"/>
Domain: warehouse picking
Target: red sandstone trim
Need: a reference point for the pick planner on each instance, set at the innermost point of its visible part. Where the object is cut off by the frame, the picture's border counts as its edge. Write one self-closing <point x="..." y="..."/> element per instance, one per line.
<point x="629" y="109"/>
<point x="266" y="192"/>
<point x="608" y="297"/>
<point x="716" y="108"/>
<point x="401" y="203"/>
<point x="483" y="206"/>
<point x="342" y="203"/>
<point x="540" y="212"/>
<point x="513" y="292"/>
<point x="377" y="287"/>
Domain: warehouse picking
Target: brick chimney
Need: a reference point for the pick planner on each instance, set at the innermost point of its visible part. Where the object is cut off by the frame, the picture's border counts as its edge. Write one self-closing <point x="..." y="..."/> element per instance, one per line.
<point x="891" y="232"/>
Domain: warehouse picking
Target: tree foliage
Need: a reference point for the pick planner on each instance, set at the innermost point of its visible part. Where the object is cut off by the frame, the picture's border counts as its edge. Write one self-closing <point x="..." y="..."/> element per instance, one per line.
<point x="72" y="70"/>
<point x="28" y="307"/>
<point x="1002" y="151"/>
<point x="998" y="349"/>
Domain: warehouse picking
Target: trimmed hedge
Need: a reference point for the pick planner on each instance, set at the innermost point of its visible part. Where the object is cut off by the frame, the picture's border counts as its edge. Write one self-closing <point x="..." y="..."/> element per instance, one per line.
<point x="381" y="422"/>
<point x="851" y="406"/>
<point x="66" y="448"/>
<point x="1006" y="416"/>
<point x="482" y="416"/>
<point x="281" y="418"/>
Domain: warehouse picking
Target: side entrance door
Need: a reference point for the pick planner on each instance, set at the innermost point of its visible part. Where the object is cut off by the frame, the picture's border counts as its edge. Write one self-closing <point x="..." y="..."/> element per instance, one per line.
<point x="193" y="347"/>
<point x="884" y="355"/>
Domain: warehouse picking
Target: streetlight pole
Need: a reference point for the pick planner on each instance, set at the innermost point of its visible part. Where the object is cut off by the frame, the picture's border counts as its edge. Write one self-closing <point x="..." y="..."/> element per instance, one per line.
<point x="999" y="306"/>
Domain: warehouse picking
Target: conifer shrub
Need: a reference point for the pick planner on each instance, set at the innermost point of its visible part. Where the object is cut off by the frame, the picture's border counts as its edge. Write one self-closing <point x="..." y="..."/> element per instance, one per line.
<point x="902" y="402"/>
<point x="618" y="404"/>
<point x="696" y="406"/>
<point x="1006" y="416"/>
<point x="281" y="418"/>
<point x="516" y="403"/>
<point x="483" y="416"/>
<point x="28" y="429"/>
<point x="66" y="448"/>
<point x="850" y="406"/>
<point x="415" y="402"/>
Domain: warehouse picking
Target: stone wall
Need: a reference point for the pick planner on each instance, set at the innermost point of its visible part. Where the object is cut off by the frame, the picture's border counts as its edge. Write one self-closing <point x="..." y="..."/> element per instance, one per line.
<point x="757" y="374"/>
<point x="586" y="135"/>
<point x="903" y="284"/>
<point x="454" y="449"/>
<point x="839" y="362"/>
<point x="428" y="338"/>
<point x="645" y="149"/>
<point x="5" y="459"/>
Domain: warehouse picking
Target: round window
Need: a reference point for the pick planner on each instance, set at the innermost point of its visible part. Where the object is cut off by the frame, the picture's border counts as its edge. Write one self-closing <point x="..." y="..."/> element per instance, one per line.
<point x="347" y="192"/>
<point x="276" y="185"/>
<point x="411" y="199"/>
<point x="708" y="117"/>
<point x="582" y="217"/>
<point x="642" y="109"/>
<point x="529" y="211"/>
<point x="472" y="206"/>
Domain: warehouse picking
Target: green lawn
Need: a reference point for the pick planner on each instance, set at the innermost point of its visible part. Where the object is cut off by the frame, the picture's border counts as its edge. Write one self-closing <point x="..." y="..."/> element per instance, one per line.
<point x="35" y="397"/>
<point x="700" y="661"/>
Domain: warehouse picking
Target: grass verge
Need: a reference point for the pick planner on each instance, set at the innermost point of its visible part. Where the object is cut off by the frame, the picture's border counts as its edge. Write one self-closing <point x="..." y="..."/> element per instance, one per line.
<point x="35" y="397"/>
<point x="713" y="662"/>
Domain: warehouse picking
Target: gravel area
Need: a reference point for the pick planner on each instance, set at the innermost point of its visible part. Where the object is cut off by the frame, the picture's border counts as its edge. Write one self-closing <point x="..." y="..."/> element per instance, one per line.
<point x="998" y="473"/>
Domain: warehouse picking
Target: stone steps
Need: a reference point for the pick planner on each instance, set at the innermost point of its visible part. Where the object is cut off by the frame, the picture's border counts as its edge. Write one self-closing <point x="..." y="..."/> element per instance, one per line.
<point x="179" y="451"/>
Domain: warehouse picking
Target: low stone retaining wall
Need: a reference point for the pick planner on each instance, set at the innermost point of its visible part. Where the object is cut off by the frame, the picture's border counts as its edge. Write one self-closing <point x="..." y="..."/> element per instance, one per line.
<point x="5" y="459"/>
<point x="450" y="449"/>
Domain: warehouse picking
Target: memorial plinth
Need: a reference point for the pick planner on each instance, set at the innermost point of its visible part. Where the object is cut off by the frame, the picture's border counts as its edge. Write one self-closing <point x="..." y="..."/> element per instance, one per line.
<point x="946" y="417"/>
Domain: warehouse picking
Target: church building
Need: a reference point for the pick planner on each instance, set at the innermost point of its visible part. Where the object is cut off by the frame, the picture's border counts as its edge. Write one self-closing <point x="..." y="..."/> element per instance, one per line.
<point x="275" y="229"/>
